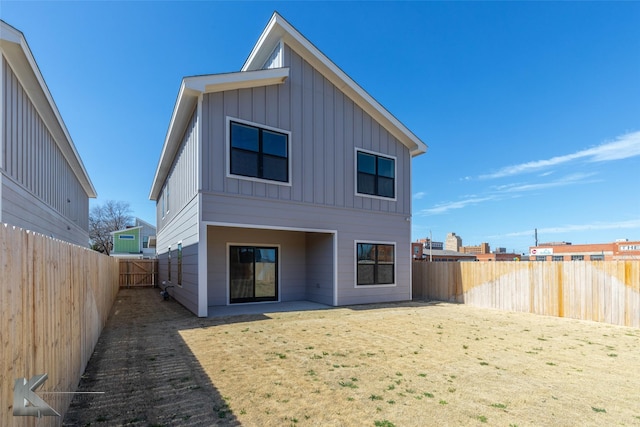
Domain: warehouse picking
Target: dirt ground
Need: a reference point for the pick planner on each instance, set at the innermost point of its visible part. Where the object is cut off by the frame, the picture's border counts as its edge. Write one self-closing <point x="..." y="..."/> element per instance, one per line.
<point x="405" y="364"/>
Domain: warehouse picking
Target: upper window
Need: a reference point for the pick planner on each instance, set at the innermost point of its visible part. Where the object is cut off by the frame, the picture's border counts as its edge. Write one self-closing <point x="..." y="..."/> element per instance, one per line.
<point x="376" y="175"/>
<point x="258" y="152"/>
<point x="376" y="264"/>
<point x="126" y="236"/>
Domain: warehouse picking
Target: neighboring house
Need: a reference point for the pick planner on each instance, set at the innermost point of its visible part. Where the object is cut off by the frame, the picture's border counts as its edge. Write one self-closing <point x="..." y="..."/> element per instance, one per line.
<point x="44" y="186"/>
<point x="283" y="181"/>
<point x="137" y="241"/>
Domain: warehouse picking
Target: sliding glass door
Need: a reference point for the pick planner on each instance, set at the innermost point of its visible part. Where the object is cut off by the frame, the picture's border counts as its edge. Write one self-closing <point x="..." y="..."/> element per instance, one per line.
<point x="253" y="274"/>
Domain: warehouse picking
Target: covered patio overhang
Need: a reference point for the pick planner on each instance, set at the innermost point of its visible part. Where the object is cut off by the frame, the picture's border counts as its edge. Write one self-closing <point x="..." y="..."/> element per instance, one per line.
<point x="254" y="266"/>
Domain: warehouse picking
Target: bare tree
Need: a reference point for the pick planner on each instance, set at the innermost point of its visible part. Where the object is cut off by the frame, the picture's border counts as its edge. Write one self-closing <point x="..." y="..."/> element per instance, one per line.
<point x="104" y="219"/>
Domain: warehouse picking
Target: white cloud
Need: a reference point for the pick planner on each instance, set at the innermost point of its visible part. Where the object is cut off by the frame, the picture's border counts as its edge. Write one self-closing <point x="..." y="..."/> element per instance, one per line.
<point x="419" y="195"/>
<point x="577" y="178"/>
<point x="624" y="147"/>
<point x="501" y="192"/>
<point x="630" y="224"/>
<point x="444" y="207"/>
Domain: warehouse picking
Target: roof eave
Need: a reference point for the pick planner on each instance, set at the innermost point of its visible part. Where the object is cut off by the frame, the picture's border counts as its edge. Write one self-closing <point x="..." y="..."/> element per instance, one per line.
<point x="279" y="29"/>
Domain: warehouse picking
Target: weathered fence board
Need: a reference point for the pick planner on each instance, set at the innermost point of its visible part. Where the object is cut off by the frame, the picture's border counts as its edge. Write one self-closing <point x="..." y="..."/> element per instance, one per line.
<point x="54" y="301"/>
<point x="601" y="291"/>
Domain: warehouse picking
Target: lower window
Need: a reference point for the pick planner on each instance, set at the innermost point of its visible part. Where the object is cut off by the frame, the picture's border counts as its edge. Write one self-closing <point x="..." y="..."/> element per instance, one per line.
<point x="253" y="274"/>
<point x="376" y="264"/>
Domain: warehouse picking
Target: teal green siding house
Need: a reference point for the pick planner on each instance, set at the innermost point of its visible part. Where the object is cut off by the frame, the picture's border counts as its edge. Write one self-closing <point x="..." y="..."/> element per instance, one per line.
<point x="137" y="241"/>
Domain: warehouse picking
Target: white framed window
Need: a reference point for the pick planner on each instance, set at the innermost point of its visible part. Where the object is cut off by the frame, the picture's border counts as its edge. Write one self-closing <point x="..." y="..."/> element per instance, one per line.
<point x="375" y="263"/>
<point x="258" y="152"/>
<point x="375" y="174"/>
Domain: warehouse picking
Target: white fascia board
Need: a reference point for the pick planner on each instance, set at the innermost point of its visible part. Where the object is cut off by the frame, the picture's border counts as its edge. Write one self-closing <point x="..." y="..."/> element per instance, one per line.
<point x="16" y="49"/>
<point x="190" y="89"/>
<point x="125" y="229"/>
<point x="278" y="28"/>
<point x="267" y="41"/>
<point x="238" y="80"/>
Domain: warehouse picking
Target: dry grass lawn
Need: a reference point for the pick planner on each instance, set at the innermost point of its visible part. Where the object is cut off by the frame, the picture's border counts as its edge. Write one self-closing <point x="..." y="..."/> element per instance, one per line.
<point x="417" y="364"/>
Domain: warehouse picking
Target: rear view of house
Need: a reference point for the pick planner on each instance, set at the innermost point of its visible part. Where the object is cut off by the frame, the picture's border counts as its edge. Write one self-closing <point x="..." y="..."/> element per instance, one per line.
<point x="283" y="181"/>
<point x="44" y="186"/>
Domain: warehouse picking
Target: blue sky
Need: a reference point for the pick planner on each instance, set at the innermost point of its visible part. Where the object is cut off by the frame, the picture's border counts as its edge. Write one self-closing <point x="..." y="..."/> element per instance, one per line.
<point x="531" y="110"/>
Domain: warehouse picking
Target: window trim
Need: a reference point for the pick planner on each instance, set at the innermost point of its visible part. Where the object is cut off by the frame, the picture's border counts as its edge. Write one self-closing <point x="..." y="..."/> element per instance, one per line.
<point x="229" y="120"/>
<point x="395" y="264"/>
<point x="395" y="175"/>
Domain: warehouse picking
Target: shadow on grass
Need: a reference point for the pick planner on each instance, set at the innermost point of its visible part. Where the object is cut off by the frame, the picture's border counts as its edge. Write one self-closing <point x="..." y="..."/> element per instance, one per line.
<point x="147" y="374"/>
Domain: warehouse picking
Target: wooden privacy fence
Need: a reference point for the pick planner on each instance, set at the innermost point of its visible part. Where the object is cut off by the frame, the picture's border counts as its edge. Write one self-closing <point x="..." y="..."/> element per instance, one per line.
<point x="601" y="291"/>
<point x="55" y="299"/>
<point x="138" y="272"/>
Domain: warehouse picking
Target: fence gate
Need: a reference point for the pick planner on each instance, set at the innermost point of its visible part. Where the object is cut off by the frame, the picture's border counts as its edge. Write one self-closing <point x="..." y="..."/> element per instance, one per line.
<point x="138" y="272"/>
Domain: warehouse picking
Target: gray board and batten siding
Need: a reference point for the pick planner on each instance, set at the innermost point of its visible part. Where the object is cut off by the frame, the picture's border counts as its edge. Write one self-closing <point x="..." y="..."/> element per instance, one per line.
<point x="326" y="128"/>
<point x="44" y="187"/>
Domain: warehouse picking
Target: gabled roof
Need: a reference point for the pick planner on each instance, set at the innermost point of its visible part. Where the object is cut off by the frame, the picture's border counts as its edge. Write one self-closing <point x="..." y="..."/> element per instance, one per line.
<point x="279" y="29"/>
<point x="126" y="229"/>
<point x="252" y="75"/>
<point x="143" y="223"/>
<point x="15" y="49"/>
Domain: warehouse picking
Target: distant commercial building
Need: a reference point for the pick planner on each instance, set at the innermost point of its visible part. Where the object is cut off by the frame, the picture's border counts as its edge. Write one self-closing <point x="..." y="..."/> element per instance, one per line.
<point x="422" y="248"/>
<point x="482" y="248"/>
<point x="452" y="250"/>
<point x="453" y="242"/>
<point x="421" y="251"/>
<point x="565" y="251"/>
